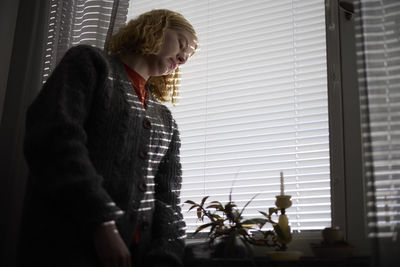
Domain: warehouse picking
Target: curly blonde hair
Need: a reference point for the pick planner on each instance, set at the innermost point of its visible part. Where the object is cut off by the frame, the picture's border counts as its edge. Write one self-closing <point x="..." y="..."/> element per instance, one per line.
<point x="145" y="35"/>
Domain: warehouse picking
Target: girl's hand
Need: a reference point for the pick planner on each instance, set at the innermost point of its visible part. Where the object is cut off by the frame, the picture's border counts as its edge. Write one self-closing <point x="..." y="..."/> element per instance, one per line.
<point x="110" y="247"/>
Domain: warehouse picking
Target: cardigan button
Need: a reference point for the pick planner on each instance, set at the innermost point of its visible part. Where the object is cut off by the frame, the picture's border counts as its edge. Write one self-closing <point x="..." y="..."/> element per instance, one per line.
<point x="143" y="154"/>
<point x="146" y="123"/>
<point x="142" y="186"/>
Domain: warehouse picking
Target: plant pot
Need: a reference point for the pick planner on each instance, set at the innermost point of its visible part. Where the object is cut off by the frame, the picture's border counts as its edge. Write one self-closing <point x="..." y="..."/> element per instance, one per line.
<point x="229" y="247"/>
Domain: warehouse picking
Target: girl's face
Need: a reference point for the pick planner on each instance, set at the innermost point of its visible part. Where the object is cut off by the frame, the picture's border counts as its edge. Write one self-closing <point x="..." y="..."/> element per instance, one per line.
<point x="177" y="47"/>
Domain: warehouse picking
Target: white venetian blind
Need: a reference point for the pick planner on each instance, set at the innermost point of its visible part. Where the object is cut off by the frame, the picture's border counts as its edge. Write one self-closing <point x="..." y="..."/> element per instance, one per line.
<point x="378" y="48"/>
<point x="74" y="22"/>
<point x="254" y="103"/>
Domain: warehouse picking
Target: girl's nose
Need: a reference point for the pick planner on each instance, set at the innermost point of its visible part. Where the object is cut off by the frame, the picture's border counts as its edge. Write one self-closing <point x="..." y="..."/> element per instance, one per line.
<point x="181" y="59"/>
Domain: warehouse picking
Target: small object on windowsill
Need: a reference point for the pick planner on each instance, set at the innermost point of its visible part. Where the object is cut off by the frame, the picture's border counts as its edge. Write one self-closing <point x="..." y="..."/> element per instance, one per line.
<point x="332" y="234"/>
<point x="284" y="235"/>
<point x="333" y="245"/>
<point x="283" y="202"/>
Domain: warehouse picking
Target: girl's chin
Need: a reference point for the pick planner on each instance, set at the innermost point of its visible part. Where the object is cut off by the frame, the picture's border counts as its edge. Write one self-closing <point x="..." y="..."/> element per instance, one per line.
<point x="168" y="71"/>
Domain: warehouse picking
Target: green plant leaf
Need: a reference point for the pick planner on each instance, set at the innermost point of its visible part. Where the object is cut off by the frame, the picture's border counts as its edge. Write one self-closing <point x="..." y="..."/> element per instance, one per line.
<point x="255" y="221"/>
<point x="202" y="227"/>
<point x="192" y="207"/>
<point x="190" y="202"/>
<point x="229" y="206"/>
<point x="216" y="216"/>
<point x="233" y="183"/>
<point x="199" y="213"/>
<point x="204" y="200"/>
<point x="213" y="226"/>
<point x="248" y="202"/>
<point x="272" y="210"/>
<point x="264" y="213"/>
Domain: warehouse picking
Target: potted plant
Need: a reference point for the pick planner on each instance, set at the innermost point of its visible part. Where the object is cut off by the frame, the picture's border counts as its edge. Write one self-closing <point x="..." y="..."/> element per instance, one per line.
<point x="229" y="234"/>
<point x="228" y="231"/>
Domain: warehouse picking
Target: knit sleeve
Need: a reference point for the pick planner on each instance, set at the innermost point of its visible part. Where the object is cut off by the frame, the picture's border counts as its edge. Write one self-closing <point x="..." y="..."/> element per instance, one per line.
<point x="169" y="226"/>
<point x="55" y="141"/>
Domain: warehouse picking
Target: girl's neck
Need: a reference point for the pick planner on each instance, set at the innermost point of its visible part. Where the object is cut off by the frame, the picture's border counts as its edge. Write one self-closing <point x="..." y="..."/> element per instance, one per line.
<point x="138" y="63"/>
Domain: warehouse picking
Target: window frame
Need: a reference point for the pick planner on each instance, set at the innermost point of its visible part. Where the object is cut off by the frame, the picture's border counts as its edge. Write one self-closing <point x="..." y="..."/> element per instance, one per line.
<point x="348" y="190"/>
<point x="347" y="194"/>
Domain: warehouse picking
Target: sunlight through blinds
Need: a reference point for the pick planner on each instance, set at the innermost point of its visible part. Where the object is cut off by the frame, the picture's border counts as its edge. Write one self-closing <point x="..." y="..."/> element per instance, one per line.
<point x="253" y="102"/>
<point x="74" y="22"/>
<point x="378" y="51"/>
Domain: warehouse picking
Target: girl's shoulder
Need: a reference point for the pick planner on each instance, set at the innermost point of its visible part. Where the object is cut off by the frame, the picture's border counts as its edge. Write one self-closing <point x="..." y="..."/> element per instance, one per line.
<point x="84" y="48"/>
<point x="84" y="53"/>
<point x="88" y="58"/>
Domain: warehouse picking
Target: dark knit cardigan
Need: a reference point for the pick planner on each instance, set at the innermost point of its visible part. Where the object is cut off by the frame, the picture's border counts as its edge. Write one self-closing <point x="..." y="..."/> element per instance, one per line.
<point x="95" y="155"/>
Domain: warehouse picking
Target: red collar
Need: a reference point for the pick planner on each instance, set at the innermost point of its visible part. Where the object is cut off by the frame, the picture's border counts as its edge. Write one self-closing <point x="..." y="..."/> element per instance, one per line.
<point x="138" y="84"/>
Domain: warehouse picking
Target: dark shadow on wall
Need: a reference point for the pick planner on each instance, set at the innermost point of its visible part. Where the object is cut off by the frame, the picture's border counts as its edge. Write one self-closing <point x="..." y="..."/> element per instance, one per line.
<point x="24" y="82"/>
